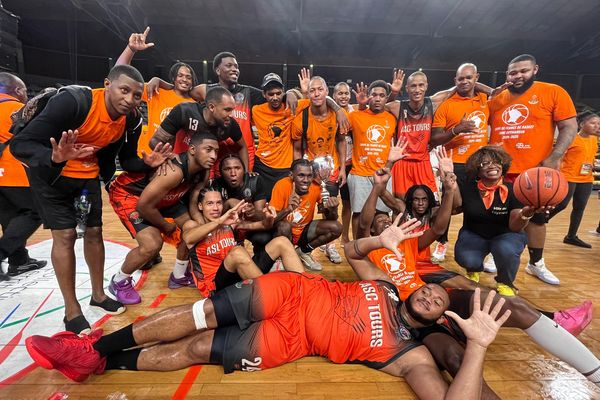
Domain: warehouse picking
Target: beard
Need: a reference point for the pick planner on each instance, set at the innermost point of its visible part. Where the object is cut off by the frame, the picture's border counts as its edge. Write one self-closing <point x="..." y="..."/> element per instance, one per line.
<point x="526" y="85"/>
<point x="415" y="315"/>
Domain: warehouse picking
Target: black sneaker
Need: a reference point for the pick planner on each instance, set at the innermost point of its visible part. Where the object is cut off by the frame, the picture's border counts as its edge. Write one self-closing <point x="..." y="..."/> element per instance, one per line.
<point x="109" y="305"/>
<point x="77" y="325"/>
<point x="30" y="265"/>
<point x="156" y="260"/>
<point x="4" y="277"/>
<point x="575" y="241"/>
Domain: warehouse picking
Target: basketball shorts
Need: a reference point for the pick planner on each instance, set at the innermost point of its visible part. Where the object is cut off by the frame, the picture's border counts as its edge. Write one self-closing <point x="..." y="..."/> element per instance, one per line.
<point x="409" y="173"/>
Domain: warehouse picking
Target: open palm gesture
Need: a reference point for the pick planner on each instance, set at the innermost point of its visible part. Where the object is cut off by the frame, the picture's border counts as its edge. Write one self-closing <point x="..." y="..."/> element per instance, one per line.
<point x="394" y="234"/>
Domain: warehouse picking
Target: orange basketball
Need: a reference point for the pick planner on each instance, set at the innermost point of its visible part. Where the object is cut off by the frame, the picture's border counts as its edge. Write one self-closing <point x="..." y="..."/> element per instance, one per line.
<point x="540" y="187"/>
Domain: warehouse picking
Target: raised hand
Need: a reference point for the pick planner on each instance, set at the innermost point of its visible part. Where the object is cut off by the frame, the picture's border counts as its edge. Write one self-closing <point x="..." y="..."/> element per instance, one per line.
<point x="137" y="41"/>
<point x="294" y="200"/>
<point x="445" y="162"/>
<point x="394" y="234"/>
<point x="397" y="80"/>
<point x="304" y="78"/>
<point x="161" y="153"/>
<point x="362" y="94"/>
<point x="449" y="181"/>
<point x="481" y="328"/>
<point x="382" y="176"/>
<point x="397" y="150"/>
<point x="67" y="149"/>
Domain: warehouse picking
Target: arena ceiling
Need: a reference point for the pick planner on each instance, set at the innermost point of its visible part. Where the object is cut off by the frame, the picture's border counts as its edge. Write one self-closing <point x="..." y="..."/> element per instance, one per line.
<point x="432" y="34"/>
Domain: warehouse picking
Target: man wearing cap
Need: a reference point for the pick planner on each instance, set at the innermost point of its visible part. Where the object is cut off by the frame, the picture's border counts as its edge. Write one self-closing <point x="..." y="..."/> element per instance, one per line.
<point x="273" y="120"/>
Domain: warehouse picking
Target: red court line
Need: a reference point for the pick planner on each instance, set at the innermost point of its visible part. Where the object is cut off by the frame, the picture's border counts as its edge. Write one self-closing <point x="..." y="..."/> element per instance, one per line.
<point x="20" y="374"/>
<point x="154" y="304"/>
<point x="187" y="382"/>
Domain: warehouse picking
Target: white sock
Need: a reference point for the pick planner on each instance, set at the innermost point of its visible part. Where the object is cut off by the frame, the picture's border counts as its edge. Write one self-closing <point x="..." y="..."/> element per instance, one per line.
<point x="199" y="316"/>
<point x="557" y="341"/>
<point x="119" y="276"/>
<point x="180" y="268"/>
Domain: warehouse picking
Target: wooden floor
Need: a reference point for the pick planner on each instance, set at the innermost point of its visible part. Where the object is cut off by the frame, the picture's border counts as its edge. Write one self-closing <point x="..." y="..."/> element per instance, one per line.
<point x="515" y="367"/>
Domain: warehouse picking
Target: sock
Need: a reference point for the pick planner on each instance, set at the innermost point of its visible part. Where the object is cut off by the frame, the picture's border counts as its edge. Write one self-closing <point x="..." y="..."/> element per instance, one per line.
<point x="123" y="360"/>
<point x="535" y="255"/>
<point x="557" y="341"/>
<point x="119" y="276"/>
<point x="180" y="268"/>
<point x="116" y="341"/>
<point x="548" y="314"/>
<point x="307" y="249"/>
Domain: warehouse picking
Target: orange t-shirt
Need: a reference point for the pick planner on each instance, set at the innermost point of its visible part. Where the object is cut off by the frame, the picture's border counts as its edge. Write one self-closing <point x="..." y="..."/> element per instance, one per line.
<point x="12" y="172"/>
<point x="403" y="273"/>
<point x="450" y="113"/>
<point x="159" y="107"/>
<point x="578" y="162"/>
<point x="304" y="213"/>
<point x="275" y="148"/>
<point x="524" y="123"/>
<point x="320" y="136"/>
<point x="371" y="139"/>
<point x="98" y="130"/>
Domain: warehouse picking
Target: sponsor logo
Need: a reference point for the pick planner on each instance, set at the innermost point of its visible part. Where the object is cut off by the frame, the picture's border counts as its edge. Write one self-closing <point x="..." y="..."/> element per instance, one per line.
<point x="534" y="100"/>
<point x="165" y="111"/>
<point x="515" y="114"/>
<point x="522" y="146"/>
<point x="135" y="218"/>
<point x="239" y="98"/>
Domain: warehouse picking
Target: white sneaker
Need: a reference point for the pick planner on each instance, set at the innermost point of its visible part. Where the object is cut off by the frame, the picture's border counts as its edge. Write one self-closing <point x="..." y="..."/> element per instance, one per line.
<point x="323" y="248"/>
<point x="332" y="253"/>
<point x="439" y="254"/>
<point x="308" y="261"/>
<point x="539" y="269"/>
<point x="489" y="265"/>
<point x="277" y="265"/>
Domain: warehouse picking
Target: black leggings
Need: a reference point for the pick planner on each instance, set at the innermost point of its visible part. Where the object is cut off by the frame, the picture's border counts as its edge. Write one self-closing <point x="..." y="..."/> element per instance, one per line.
<point x="580" y="192"/>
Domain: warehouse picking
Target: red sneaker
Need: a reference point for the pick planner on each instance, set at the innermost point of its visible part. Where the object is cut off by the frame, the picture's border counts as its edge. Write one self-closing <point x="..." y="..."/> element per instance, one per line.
<point x="575" y="319"/>
<point x="70" y="354"/>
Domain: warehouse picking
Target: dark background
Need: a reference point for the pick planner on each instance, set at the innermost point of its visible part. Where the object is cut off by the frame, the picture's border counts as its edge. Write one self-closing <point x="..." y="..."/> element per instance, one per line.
<point x="76" y="41"/>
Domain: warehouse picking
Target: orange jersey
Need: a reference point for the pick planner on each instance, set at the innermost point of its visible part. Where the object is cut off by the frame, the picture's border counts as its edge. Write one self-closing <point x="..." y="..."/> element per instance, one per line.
<point x="451" y="112"/>
<point x="402" y="272"/>
<point x="207" y="255"/>
<point x="320" y="136"/>
<point x="301" y="216"/>
<point x="98" y="130"/>
<point x="159" y="107"/>
<point x="12" y="172"/>
<point x="578" y="162"/>
<point x="275" y="148"/>
<point x="371" y="138"/>
<point x="524" y="123"/>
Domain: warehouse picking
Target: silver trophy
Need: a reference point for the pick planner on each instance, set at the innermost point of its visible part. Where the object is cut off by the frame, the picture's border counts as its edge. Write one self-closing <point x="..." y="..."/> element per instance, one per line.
<point x="323" y="168"/>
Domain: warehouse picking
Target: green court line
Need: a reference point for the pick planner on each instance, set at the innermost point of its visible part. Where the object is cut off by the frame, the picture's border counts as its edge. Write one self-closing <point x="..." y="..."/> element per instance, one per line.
<point x="41" y="314"/>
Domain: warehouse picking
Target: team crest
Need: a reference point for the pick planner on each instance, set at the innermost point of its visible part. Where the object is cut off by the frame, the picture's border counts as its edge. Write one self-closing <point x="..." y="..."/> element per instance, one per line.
<point x="516" y="114"/>
<point x="376" y="133"/>
<point x="403" y="333"/>
<point x="392" y="264"/>
<point x="534" y="99"/>
<point x="478" y="118"/>
<point x="239" y="98"/>
<point x="135" y="218"/>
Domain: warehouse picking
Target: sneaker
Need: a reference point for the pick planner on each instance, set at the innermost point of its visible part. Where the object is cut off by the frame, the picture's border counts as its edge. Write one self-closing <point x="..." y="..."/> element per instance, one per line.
<point x="489" y="265"/>
<point x="576" y="319"/>
<point x="30" y="265"/>
<point x="332" y="253"/>
<point x="77" y="325"/>
<point x="71" y="355"/>
<point x="323" y="248"/>
<point x="108" y="305"/>
<point x="176" y="283"/>
<point x="539" y="269"/>
<point x="474" y="276"/>
<point x="575" y="241"/>
<point x="308" y="261"/>
<point x="156" y="260"/>
<point x="439" y="254"/>
<point x="505" y="290"/>
<point x="277" y="265"/>
<point x="124" y="291"/>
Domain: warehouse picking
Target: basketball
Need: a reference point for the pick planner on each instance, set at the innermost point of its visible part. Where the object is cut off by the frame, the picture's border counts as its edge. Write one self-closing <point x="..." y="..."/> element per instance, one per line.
<point x="540" y="187"/>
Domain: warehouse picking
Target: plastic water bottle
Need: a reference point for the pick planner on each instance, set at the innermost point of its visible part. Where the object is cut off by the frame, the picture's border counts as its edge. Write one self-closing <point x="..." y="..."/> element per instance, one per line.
<point x="82" y="209"/>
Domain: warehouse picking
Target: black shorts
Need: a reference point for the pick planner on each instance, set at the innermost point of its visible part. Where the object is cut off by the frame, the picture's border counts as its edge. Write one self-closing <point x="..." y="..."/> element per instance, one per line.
<point x="270" y="175"/>
<point x="460" y="303"/>
<point x="55" y="202"/>
<point x="224" y="278"/>
<point x="437" y="276"/>
<point x="303" y="240"/>
<point x="344" y="192"/>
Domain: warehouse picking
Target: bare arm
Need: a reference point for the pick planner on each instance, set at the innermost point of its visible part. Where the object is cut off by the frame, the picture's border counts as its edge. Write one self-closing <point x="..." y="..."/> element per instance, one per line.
<point x="194" y="232"/>
<point x="198" y="92"/>
<point x="439" y="97"/>
<point x="567" y="129"/>
<point x="444" y="212"/>
<point x="356" y="253"/>
<point x="137" y="42"/>
<point x="161" y="136"/>
<point x="243" y="153"/>
<point x="158" y="187"/>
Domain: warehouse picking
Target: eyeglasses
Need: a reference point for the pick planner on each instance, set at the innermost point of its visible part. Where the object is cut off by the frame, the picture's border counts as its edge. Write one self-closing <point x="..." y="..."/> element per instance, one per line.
<point x="487" y="164"/>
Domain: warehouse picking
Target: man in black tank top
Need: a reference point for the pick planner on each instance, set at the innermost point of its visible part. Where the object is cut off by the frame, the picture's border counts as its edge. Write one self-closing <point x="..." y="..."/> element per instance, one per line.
<point x="142" y="200"/>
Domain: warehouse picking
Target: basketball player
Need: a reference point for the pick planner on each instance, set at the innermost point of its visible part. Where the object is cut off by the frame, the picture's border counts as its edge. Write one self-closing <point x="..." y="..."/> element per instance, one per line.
<point x="523" y="120"/>
<point x="255" y="325"/>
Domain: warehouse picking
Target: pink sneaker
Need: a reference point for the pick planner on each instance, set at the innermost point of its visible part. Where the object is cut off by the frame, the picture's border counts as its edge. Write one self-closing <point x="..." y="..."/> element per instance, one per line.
<point x="576" y="319"/>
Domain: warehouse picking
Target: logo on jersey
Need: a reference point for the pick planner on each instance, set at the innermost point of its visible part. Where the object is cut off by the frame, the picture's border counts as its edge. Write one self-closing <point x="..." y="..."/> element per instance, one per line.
<point x="135" y="218"/>
<point x="239" y="98"/>
<point x="392" y="264"/>
<point x="515" y="114"/>
<point x="376" y="133"/>
<point x="391" y="294"/>
<point x="165" y="111"/>
<point x="534" y="100"/>
<point x="478" y="119"/>
<point x="403" y="333"/>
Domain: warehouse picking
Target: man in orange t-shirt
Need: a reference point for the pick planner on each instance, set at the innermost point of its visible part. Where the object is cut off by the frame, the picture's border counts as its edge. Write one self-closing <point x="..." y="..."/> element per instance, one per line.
<point x="273" y="121"/>
<point x="18" y="217"/>
<point x="67" y="147"/>
<point x="524" y="119"/>
<point x="295" y="198"/>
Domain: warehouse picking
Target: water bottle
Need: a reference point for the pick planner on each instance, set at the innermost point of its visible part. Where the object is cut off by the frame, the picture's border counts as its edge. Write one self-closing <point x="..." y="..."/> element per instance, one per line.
<point x="82" y="209"/>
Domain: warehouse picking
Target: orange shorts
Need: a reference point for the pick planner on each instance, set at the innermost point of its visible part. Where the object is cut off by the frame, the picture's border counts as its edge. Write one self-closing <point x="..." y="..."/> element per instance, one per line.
<point x="409" y="173"/>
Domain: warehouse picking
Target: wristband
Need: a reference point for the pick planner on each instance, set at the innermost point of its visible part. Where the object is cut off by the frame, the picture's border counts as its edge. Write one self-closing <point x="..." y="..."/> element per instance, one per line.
<point x="453" y="133"/>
